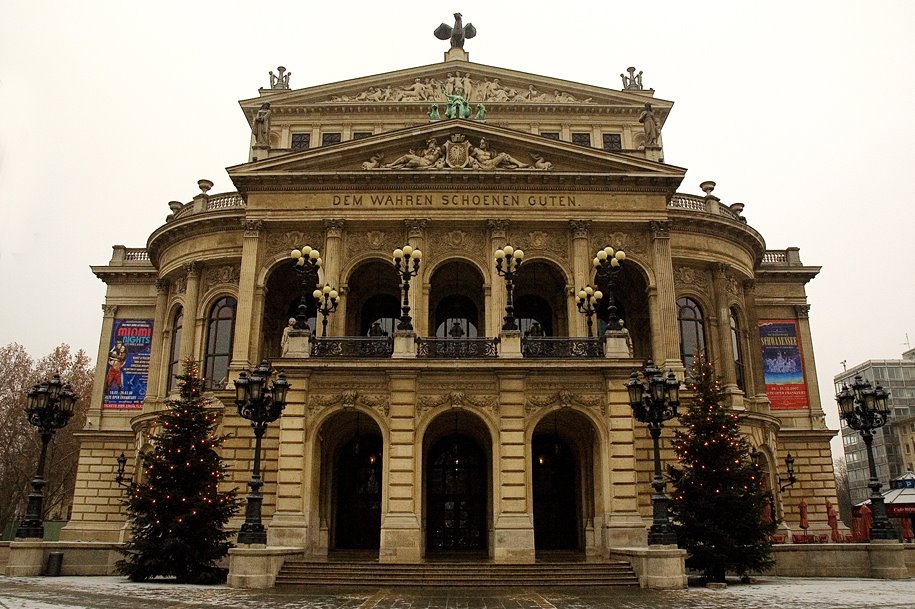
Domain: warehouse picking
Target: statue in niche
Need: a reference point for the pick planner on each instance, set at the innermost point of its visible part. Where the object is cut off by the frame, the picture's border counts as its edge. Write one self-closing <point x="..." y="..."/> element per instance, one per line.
<point x="280" y="81"/>
<point x="485" y="159"/>
<point x="284" y="342"/>
<point x="429" y="157"/>
<point x="262" y="126"/>
<point x="457" y="33"/>
<point x="650" y="124"/>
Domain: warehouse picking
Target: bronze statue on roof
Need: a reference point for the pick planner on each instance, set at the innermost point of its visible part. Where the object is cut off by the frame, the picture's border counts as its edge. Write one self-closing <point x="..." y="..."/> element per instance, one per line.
<point x="457" y="34"/>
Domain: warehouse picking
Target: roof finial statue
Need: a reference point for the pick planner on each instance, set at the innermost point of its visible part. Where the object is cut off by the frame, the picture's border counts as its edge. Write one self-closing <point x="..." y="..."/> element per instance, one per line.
<point x="280" y="81"/>
<point x="457" y="34"/>
<point x="633" y="81"/>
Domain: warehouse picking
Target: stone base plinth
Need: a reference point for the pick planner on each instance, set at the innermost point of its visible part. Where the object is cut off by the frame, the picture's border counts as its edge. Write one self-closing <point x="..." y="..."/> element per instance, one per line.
<point x="617" y="344"/>
<point x="28" y="558"/>
<point x="253" y="567"/>
<point x="298" y="345"/>
<point x="510" y="343"/>
<point x="657" y="567"/>
<point x="404" y="344"/>
<point x="400" y="539"/>
<point x="287" y="530"/>
<point x="624" y="531"/>
<point x="877" y="559"/>
<point x="513" y="540"/>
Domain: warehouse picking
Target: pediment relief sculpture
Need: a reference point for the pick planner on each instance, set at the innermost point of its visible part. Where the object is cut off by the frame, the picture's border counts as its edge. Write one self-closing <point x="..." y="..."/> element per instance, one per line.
<point x="457" y="153"/>
<point x="473" y="90"/>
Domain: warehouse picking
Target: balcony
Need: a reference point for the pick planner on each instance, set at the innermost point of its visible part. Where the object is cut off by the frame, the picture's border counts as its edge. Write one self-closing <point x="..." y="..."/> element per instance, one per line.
<point x="457" y="348"/>
<point x="549" y="346"/>
<point x="352" y="346"/>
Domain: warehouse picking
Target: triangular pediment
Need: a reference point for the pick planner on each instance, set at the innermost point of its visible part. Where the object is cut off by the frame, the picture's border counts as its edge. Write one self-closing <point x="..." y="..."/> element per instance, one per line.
<point x="496" y="87"/>
<point x="459" y="149"/>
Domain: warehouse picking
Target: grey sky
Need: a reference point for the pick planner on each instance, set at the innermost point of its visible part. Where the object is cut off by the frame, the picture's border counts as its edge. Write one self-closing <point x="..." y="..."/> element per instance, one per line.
<point x="801" y="110"/>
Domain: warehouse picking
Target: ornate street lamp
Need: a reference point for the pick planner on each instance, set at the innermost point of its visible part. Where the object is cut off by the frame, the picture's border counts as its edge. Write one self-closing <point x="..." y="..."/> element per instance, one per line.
<point x="49" y="408"/>
<point x="653" y="404"/>
<point x="406" y="263"/>
<point x="586" y="300"/>
<point x="120" y="479"/>
<point x="607" y="266"/>
<point x="307" y="262"/>
<point x="508" y="259"/>
<point x="261" y="405"/>
<point x="327" y="300"/>
<point x="865" y="409"/>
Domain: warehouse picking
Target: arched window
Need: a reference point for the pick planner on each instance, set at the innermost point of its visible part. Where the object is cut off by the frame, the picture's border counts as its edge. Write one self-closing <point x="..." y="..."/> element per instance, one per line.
<point x="382" y="308"/>
<point x="530" y="309"/>
<point x="174" y="352"/>
<point x="692" y="330"/>
<point x="220" y="330"/>
<point x="736" y="350"/>
<point x="456" y="317"/>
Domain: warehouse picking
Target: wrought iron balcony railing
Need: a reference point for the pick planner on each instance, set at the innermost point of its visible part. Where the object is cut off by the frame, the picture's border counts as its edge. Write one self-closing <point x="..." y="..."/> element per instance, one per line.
<point x="550" y="346"/>
<point x="352" y="346"/>
<point x="457" y="348"/>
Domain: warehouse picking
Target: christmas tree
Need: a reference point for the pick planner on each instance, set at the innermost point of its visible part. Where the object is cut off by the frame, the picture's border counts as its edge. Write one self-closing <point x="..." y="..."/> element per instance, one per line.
<point x="177" y="512"/>
<point x="719" y="505"/>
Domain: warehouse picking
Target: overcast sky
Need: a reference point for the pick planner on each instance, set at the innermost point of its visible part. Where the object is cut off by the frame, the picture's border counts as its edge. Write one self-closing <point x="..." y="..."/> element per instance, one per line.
<point x="804" y="111"/>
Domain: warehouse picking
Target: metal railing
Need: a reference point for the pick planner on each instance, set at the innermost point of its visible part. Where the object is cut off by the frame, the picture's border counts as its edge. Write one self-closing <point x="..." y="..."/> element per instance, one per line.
<point x="352" y="346"/>
<point x="550" y="346"/>
<point x="457" y="348"/>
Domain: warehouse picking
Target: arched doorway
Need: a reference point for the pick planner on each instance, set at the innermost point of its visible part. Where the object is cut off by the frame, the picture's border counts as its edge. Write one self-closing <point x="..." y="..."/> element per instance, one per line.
<point x="630" y="293"/>
<point x="540" y="298"/>
<point x="562" y="451"/>
<point x="457" y="507"/>
<point x="351" y="481"/>
<point x="373" y="294"/>
<point x="456" y="302"/>
<point x="281" y="302"/>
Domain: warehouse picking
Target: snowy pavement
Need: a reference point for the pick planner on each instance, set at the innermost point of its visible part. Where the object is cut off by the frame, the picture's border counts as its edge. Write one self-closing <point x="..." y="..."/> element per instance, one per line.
<point x="764" y="593"/>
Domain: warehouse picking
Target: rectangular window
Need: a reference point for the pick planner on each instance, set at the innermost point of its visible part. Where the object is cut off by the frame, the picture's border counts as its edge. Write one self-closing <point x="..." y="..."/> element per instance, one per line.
<point x="581" y="139"/>
<point x="328" y="139"/>
<point x="613" y="141"/>
<point x="550" y="135"/>
<point x="301" y="141"/>
<point x="358" y="135"/>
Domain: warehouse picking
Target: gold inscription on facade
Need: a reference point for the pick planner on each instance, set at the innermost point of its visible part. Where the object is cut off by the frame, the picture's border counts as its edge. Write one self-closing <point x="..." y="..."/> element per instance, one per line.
<point x="449" y="200"/>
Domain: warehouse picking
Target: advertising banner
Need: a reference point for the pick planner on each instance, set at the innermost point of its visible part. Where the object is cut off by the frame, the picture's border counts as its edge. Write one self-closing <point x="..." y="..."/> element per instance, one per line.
<point x="128" y="364"/>
<point x="783" y="364"/>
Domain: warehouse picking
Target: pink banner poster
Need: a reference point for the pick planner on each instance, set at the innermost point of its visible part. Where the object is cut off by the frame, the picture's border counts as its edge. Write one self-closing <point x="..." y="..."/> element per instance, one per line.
<point x="783" y="364"/>
<point x="127" y="372"/>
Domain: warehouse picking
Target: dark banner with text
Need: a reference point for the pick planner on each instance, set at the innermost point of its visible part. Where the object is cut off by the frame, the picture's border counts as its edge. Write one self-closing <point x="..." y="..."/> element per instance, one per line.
<point x="128" y="364"/>
<point x="783" y="364"/>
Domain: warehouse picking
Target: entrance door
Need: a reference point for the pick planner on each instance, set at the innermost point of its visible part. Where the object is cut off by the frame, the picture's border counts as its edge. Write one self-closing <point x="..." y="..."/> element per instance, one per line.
<point x="456" y="496"/>
<point x="555" y="499"/>
<point x="357" y="514"/>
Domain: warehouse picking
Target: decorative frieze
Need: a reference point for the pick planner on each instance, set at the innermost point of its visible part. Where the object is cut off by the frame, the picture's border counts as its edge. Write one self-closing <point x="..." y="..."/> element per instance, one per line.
<point x="283" y="243"/>
<point x="457" y="399"/>
<point x="631" y="243"/>
<point x="565" y="399"/>
<point x="690" y="277"/>
<point x="225" y="274"/>
<point x="348" y="399"/>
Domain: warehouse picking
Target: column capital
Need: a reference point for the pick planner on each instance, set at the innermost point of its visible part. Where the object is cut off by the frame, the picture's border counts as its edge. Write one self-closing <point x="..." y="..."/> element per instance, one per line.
<point x="253" y="228"/>
<point x="109" y="310"/>
<point x="497" y="228"/>
<point x="192" y="269"/>
<point x="580" y="228"/>
<point x="749" y="286"/>
<point x="415" y="227"/>
<point x="802" y="311"/>
<point x="720" y="270"/>
<point x="660" y="229"/>
<point x="162" y="286"/>
<point x="333" y="226"/>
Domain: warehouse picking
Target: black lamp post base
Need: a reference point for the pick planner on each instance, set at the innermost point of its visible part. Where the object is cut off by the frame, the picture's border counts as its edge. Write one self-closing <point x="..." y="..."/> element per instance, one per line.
<point x="252" y="533"/>
<point x="884" y="530"/>
<point x="661" y="532"/>
<point x="661" y="535"/>
<point x="30" y="529"/>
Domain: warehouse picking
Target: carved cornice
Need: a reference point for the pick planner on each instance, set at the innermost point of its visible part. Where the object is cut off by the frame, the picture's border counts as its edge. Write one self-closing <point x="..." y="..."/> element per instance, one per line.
<point x="219" y="221"/>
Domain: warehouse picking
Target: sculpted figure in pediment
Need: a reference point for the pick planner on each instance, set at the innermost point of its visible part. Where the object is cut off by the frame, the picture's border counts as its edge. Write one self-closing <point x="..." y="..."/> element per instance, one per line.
<point x="486" y="159"/>
<point x="427" y="159"/>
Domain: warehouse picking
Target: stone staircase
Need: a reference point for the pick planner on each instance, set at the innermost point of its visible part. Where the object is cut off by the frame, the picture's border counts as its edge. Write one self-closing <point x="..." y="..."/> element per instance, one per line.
<point x="457" y="574"/>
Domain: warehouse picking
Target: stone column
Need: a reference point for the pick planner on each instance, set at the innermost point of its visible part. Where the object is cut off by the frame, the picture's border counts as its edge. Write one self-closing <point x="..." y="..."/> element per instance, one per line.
<point x="193" y="319"/>
<point x="109" y="312"/>
<point x="513" y="540"/>
<point x="247" y="343"/>
<point x="289" y="524"/>
<point x="333" y="258"/>
<point x="419" y="297"/>
<point x="666" y="299"/>
<point x="724" y="346"/>
<point x="810" y="369"/>
<point x="755" y="375"/>
<point x="158" y="377"/>
<point x="401" y="535"/>
<point x="581" y="273"/>
<point x="495" y="308"/>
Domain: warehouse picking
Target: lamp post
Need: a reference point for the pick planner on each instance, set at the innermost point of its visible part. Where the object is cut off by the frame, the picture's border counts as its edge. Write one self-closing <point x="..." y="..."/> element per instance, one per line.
<point x="785" y="483"/>
<point x="49" y="408"/>
<point x="261" y="405"/>
<point x="586" y="300"/>
<point x="327" y="300"/>
<point x="607" y="266"/>
<point x="865" y="409"/>
<point x="406" y="263"/>
<point x="508" y="259"/>
<point x="307" y="262"/>
<point x="120" y="479"/>
<point x="653" y="405"/>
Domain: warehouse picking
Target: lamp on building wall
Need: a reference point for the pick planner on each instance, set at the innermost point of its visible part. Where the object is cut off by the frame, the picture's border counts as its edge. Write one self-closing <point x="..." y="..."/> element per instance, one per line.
<point x="586" y="300"/>
<point x="119" y="478"/>
<point x="653" y="404"/>
<point x="261" y="404"/>
<point x="49" y="408"/>
<point x="607" y="265"/>
<point x="406" y="263"/>
<point x="327" y="300"/>
<point x="865" y="409"/>
<point x="508" y="259"/>
<point x="307" y="262"/>
<point x="785" y="483"/>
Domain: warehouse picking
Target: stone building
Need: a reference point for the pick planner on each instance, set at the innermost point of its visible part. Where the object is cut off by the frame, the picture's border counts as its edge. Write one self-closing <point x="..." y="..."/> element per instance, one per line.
<point x="458" y="438"/>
